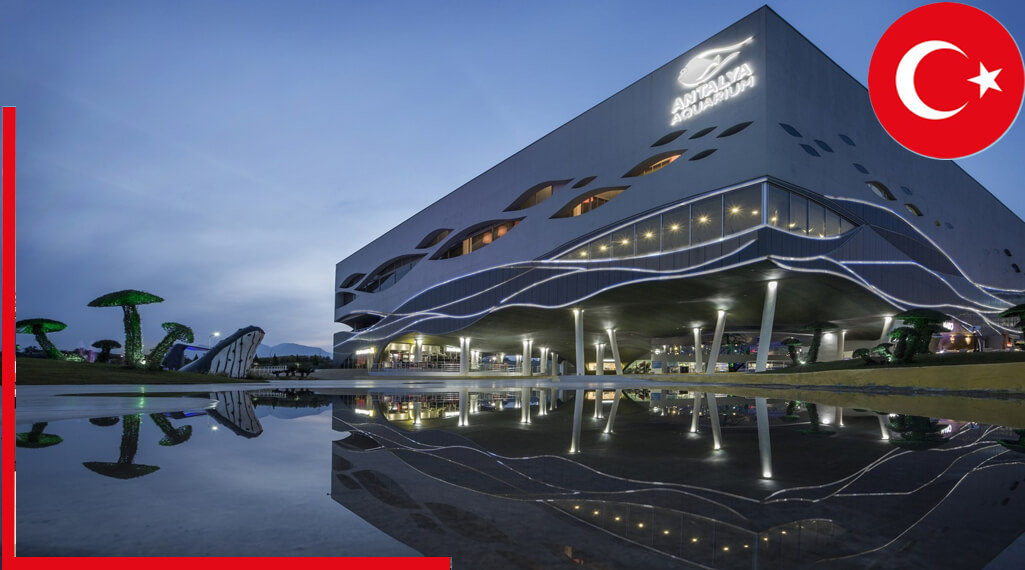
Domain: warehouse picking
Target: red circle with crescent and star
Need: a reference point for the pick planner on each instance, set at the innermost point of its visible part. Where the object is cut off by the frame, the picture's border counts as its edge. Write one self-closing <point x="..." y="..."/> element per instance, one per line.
<point x="946" y="80"/>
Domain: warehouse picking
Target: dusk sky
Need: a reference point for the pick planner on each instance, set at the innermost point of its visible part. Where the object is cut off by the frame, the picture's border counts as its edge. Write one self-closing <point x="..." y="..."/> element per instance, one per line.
<point x="226" y="154"/>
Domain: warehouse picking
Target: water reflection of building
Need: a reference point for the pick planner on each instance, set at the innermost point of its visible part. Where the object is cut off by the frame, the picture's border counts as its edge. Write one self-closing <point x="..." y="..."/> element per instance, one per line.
<point x="445" y="495"/>
<point x="674" y="206"/>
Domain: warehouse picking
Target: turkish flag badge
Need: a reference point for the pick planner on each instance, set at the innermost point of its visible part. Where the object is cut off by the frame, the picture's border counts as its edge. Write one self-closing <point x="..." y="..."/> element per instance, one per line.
<point x="946" y="80"/>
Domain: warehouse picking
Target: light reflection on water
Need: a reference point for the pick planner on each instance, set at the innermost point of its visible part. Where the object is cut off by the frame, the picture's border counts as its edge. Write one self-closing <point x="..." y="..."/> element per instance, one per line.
<point x="252" y="477"/>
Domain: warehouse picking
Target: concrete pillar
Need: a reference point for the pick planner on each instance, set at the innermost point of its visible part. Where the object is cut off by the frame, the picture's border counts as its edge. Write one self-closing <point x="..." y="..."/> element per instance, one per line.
<point x="578" y="333"/>
<point x="464" y="415"/>
<point x="418" y="349"/>
<point x="764" y="445"/>
<point x="765" y="333"/>
<point x="615" y="408"/>
<point x="615" y="351"/>
<point x="554" y="356"/>
<point x="578" y="412"/>
<point x="525" y="405"/>
<point x="599" y="362"/>
<point x="543" y="361"/>
<point x="713" y="356"/>
<point x="841" y="339"/>
<point x="416" y="412"/>
<point x="526" y="368"/>
<point x="542" y="401"/>
<point x="464" y="355"/>
<point x="695" y="412"/>
<point x="698" y="357"/>
<point x="713" y="414"/>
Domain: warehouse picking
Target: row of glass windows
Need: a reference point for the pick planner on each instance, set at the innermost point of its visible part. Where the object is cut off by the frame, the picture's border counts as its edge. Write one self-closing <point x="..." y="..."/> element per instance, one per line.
<point x="713" y="218"/>
<point x="479" y="239"/>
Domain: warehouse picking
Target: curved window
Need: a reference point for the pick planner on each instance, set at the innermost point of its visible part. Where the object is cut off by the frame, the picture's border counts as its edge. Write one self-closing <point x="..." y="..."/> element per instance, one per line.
<point x="360" y="321"/>
<point x="536" y="195"/>
<point x="860" y="168"/>
<point x="704" y="154"/>
<point x="653" y="164"/>
<point x="389" y="273"/>
<point x="913" y="209"/>
<point x="478" y="237"/>
<point x="906" y="190"/>
<point x="434" y="238"/>
<point x="1015" y="267"/>
<point x="949" y="225"/>
<point x="810" y="150"/>
<point x="742" y="209"/>
<point x="823" y="145"/>
<point x="847" y="140"/>
<point x="734" y="129"/>
<point x="352" y="280"/>
<point x="790" y="130"/>
<point x="589" y="201"/>
<point x="584" y="182"/>
<point x="702" y="133"/>
<point x="343" y="299"/>
<point x="668" y="138"/>
<point x="880" y="189"/>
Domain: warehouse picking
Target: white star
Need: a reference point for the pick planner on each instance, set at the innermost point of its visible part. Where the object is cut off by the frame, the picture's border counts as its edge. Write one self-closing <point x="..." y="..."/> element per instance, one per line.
<point x="986" y="80"/>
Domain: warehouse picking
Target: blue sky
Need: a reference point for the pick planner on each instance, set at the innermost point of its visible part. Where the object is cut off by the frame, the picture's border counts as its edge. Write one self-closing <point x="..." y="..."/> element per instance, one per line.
<point x="225" y="155"/>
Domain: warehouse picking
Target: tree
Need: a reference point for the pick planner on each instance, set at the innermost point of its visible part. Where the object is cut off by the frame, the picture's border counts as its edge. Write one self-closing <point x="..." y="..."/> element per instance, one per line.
<point x="792" y="344"/>
<point x="175" y="332"/>
<point x="905" y="338"/>
<point x="816" y="339"/>
<point x="924" y="322"/>
<point x="128" y="300"/>
<point x="39" y="328"/>
<point x="105" y="347"/>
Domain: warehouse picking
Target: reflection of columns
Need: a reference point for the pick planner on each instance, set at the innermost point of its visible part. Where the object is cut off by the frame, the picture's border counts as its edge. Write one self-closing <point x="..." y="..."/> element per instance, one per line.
<point x="464" y="355"/>
<point x="698" y="359"/>
<point x="663" y="397"/>
<point x="765" y="334"/>
<point x="695" y="412"/>
<point x="841" y="337"/>
<point x="597" y="403"/>
<point x="615" y="352"/>
<point x="464" y="416"/>
<point x="578" y="333"/>
<point x="418" y="349"/>
<point x="416" y="412"/>
<point x="713" y="414"/>
<point x="713" y="356"/>
<point x="883" y="431"/>
<point x="578" y="412"/>
<point x="887" y="325"/>
<point x="370" y="358"/>
<point x="554" y="397"/>
<point x="839" y="416"/>
<point x="615" y="408"/>
<point x="599" y="361"/>
<point x="525" y="405"/>
<point x="764" y="446"/>
<point x="542" y="401"/>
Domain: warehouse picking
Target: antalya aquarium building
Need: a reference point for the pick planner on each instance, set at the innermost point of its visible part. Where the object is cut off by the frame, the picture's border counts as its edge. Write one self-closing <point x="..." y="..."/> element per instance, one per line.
<point x="745" y="187"/>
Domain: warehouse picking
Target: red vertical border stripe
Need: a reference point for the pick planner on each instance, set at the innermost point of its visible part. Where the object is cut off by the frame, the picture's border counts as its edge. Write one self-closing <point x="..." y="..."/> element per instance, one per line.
<point x="8" y="336"/>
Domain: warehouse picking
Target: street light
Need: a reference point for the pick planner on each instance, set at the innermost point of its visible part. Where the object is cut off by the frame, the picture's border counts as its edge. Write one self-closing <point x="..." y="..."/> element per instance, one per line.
<point x="209" y="341"/>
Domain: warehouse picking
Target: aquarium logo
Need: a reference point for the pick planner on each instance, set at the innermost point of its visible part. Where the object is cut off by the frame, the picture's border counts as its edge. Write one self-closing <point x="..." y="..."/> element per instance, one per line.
<point x="709" y="84"/>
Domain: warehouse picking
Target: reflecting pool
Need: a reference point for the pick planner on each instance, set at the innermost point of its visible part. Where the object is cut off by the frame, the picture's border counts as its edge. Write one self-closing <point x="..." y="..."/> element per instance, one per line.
<point x="482" y="472"/>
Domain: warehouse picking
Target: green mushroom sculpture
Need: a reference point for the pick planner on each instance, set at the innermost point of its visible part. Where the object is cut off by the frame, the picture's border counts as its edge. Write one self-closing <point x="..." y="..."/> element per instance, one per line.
<point x="128" y="300"/>
<point x="105" y="347"/>
<point x="816" y="329"/>
<point x="792" y="344"/>
<point x="172" y="435"/>
<point x="124" y="468"/>
<point x="36" y="439"/>
<point x="175" y="332"/>
<point x="40" y="327"/>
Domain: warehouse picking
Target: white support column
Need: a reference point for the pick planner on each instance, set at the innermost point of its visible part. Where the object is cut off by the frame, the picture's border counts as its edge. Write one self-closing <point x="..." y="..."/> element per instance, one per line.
<point x="765" y="333"/>
<point x="578" y="333"/>
<point x="615" y="408"/>
<point x="525" y="366"/>
<point x="464" y="355"/>
<point x="597" y="403"/>
<point x="543" y="362"/>
<point x="695" y="413"/>
<point x="525" y="405"/>
<point x="713" y="414"/>
<point x="553" y="399"/>
<point x="416" y="413"/>
<point x="599" y="359"/>
<point x="883" y="430"/>
<point x="615" y="351"/>
<point x="542" y="401"/>
<point x="713" y="355"/>
<point x="698" y="358"/>
<point x="887" y="327"/>
<point x="839" y="416"/>
<point x="464" y="416"/>
<point x="418" y="349"/>
<point x="554" y="356"/>
<point x="764" y="444"/>
<point x="841" y="339"/>
<point x="578" y="412"/>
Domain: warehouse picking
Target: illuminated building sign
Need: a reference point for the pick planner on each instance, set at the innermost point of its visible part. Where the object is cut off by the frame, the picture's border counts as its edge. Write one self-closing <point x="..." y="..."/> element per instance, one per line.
<point x="709" y="84"/>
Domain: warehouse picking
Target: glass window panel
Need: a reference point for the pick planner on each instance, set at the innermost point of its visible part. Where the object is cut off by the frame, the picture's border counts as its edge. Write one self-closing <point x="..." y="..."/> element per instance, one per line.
<point x="599" y="248"/>
<point x="778" y="207"/>
<point x="798" y="214"/>
<point x="832" y="223"/>
<point x="647" y="238"/>
<point x="579" y="254"/>
<point x="846" y="225"/>
<point x="623" y="242"/>
<point x="706" y="220"/>
<point x="816" y="220"/>
<point x="676" y="229"/>
<point x="743" y="209"/>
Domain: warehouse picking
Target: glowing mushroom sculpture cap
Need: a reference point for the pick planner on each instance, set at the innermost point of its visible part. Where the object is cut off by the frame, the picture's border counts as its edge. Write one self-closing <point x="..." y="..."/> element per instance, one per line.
<point x="128" y="300"/>
<point x="40" y="327"/>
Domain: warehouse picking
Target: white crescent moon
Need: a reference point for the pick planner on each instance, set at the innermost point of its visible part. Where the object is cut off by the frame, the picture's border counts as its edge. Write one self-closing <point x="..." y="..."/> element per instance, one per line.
<point x="906" y="80"/>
